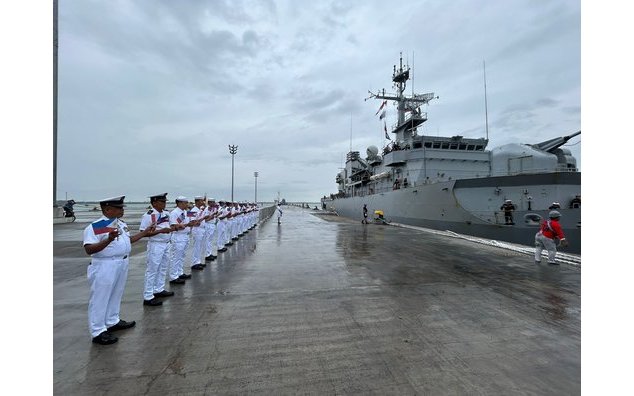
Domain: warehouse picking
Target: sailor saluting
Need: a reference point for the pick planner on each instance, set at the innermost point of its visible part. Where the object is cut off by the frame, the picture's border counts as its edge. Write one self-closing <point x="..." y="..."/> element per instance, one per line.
<point x="108" y="242"/>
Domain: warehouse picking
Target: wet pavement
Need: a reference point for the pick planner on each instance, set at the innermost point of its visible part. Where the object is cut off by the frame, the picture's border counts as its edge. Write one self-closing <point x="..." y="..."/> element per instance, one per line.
<point x="326" y="305"/>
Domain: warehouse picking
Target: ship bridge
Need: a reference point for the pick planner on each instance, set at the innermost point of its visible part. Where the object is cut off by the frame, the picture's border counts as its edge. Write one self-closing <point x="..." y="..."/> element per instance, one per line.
<point x="450" y="143"/>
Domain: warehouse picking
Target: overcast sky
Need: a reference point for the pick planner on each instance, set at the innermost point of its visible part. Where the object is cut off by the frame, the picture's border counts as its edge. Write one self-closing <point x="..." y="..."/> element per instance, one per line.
<point x="151" y="93"/>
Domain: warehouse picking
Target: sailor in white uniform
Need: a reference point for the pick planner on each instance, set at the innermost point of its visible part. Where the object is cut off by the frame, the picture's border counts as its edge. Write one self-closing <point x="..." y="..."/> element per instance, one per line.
<point x="222" y="227"/>
<point x="179" y="241"/>
<point x="211" y="232"/>
<point x="198" y="232"/>
<point x="279" y="213"/>
<point x="108" y="242"/>
<point x="158" y="251"/>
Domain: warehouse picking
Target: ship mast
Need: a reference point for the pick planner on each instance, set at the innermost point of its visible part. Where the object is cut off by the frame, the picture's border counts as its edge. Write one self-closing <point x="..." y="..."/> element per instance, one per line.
<point x="405" y="104"/>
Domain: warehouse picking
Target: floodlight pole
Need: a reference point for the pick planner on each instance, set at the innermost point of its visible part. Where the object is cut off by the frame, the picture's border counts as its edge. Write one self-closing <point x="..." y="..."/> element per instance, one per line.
<point x="232" y="150"/>
<point x="255" y="174"/>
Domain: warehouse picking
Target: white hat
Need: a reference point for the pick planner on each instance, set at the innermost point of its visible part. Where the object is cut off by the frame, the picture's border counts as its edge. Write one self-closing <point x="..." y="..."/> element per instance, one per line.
<point x="198" y="197"/>
<point x="181" y="198"/>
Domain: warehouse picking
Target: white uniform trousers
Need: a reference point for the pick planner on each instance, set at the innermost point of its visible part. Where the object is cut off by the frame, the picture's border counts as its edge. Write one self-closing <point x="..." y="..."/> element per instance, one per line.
<point x="198" y="235"/>
<point x="234" y="228"/>
<point x="106" y="277"/>
<point x="242" y="224"/>
<point x="228" y="230"/>
<point x="220" y="231"/>
<point x="210" y="233"/>
<point x="157" y="261"/>
<point x="179" y="248"/>
<point x="543" y="242"/>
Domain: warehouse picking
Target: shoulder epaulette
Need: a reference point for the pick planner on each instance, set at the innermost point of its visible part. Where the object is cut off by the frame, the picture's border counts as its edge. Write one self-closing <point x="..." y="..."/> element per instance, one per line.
<point x="149" y="211"/>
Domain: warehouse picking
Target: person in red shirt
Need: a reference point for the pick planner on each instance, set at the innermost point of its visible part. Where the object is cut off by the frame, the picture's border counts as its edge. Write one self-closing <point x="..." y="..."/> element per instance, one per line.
<point x="549" y="236"/>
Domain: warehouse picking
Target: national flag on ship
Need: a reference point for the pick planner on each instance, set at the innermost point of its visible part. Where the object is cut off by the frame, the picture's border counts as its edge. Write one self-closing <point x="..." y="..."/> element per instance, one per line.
<point x="382" y="106"/>
<point x="385" y="129"/>
<point x="104" y="226"/>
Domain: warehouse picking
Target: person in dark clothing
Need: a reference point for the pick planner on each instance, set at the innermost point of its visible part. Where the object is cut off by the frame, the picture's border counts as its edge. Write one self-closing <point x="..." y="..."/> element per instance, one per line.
<point x="365" y="214"/>
<point x="508" y="207"/>
<point x="575" y="203"/>
<point x="68" y="208"/>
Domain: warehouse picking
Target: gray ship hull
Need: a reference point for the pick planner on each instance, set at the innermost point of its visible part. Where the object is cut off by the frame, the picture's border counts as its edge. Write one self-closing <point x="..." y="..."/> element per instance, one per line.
<point x="471" y="206"/>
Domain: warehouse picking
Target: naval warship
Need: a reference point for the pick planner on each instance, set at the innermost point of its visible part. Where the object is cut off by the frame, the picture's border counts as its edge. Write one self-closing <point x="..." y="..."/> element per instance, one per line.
<point x="455" y="183"/>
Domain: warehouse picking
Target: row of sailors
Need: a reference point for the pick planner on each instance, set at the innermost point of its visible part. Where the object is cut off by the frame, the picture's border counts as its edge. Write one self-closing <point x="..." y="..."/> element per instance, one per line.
<point x="212" y="227"/>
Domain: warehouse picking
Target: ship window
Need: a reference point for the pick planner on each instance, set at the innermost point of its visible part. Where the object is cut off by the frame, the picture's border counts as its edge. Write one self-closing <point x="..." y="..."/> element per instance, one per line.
<point x="479" y="148"/>
<point x="445" y="146"/>
<point x="417" y="145"/>
<point x="453" y="146"/>
<point x="428" y="144"/>
<point x="436" y="144"/>
<point x="470" y="147"/>
<point x="463" y="146"/>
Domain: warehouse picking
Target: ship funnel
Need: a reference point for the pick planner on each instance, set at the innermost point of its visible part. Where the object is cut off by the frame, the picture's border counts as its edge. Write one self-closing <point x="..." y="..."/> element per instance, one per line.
<point x="553" y="144"/>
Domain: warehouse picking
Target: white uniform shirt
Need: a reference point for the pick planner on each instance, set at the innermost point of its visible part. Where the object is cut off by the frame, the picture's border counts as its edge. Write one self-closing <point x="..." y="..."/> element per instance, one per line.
<point x="198" y="214"/>
<point x="222" y="213"/>
<point x="213" y="210"/>
<point x="179" y="216"/>
<point x="206" y="212"/>
<point x="162" y="221"/>
<point x="119" y="247"/>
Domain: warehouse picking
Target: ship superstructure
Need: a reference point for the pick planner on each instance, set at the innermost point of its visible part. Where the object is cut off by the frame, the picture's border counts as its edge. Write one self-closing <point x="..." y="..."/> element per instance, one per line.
<point x="456" y="183"/>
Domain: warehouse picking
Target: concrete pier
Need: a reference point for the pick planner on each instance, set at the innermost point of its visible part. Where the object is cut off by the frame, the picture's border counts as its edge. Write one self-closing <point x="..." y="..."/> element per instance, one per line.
<point x="325" y="305"/>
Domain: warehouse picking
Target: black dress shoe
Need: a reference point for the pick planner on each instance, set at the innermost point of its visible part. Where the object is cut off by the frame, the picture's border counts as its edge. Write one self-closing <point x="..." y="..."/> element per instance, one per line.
<point x="164" y="293"/>
<point x="105" y="338"/>
<point x="198" y="267"/>
<point x="177" y="281"/>
<point x="185" y="276"/>
<point x="122" y="325"/>
<point x="224" y="249"/>
<point x="153" y="302"/>
<point x="209" y="258"/>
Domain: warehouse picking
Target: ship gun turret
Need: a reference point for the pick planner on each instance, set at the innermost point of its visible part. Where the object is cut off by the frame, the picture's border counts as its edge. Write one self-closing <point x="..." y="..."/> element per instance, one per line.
<point x="552" y="144"/>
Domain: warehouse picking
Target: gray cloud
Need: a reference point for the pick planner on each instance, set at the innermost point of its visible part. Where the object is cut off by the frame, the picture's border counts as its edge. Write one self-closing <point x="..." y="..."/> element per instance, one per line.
<point x="163" y="90"/>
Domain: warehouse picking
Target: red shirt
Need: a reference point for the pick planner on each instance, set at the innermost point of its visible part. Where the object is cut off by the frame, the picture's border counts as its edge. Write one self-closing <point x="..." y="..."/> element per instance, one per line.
<point x="553" y="231"/>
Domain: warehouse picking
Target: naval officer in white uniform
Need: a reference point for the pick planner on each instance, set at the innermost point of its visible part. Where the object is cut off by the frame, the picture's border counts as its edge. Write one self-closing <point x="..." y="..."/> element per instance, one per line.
<point x="198" y="231"/>
<point x="179" y="240"/>
<point x="158" y="251"/>
<point x="108" y="242"/>
<point x="211" y="233"/>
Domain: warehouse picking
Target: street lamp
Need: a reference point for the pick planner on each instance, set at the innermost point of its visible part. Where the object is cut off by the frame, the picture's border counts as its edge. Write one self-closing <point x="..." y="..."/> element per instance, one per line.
<point x="232" y="150"/>
<point x="255" y="174"/>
